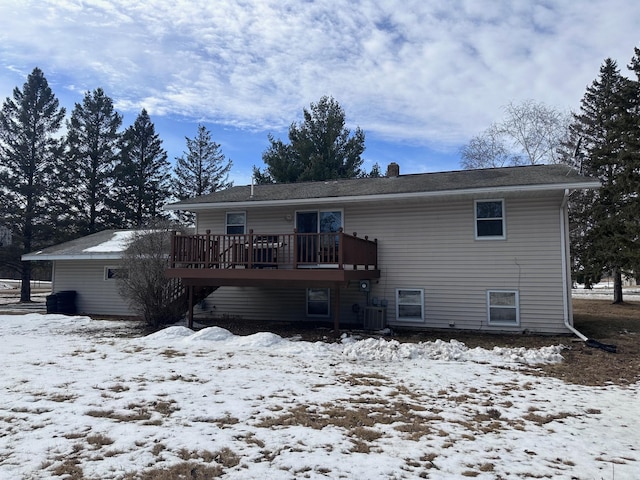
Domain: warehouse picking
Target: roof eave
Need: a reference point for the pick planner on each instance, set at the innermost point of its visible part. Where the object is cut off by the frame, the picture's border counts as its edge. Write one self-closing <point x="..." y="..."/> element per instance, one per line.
<point x="383" y="196"/>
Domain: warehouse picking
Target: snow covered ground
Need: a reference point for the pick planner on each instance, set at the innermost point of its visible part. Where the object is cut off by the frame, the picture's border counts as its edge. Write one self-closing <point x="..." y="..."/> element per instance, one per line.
<point x="77" y="397"/>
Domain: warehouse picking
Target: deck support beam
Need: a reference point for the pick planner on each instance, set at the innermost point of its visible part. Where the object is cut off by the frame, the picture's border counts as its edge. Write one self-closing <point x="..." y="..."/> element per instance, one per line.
<point x="336" y="311"/>
<point x="190" y="320"/>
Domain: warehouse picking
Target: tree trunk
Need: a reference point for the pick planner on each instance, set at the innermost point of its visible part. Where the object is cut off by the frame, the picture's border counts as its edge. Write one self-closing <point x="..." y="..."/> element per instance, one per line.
<point x="617" y="286"/>
<point x="25" y="289"/>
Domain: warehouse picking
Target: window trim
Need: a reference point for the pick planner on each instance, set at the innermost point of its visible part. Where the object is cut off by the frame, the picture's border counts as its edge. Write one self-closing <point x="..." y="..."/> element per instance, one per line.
<point x="516" y="307"/>
<point x="227" y="224"/>
<point x="312" y="315"/>
<point x="398" y="304"/>
<point x="107" y="277"/>
<point x="476" y="219"/>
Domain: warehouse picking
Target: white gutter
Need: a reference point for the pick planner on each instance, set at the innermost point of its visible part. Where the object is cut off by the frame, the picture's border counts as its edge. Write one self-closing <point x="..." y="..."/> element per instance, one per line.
<point x="566" y="278"/>
<point x="380" y="196"/>
<point x="76" y="256"/>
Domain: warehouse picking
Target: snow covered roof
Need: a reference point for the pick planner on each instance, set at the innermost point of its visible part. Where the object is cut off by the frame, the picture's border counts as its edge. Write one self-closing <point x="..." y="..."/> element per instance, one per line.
<point x="105" y="245"/>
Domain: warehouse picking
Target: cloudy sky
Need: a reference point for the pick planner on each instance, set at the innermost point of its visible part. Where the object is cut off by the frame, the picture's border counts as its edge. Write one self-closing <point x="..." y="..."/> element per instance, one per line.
<point x="419" y="77"/>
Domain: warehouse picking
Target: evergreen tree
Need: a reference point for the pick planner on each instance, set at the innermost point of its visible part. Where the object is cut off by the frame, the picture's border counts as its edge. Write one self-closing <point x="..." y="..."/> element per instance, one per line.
<point x="201" y="170"/>
<point x="29" y="154"/>
<point x="605" y="234"/>
<point x="92" y="152"/>
<point x="320" y="148"/>
<point x="633" y="159"/>
<point x="375" y="171"/>
<point x="142" y="174"/>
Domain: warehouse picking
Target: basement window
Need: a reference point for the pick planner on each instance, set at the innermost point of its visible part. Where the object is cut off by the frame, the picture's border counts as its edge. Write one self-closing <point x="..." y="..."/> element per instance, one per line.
<point x="318" y="302"/>
<point x="503" y="307"/>
<point x="410" y="305"/>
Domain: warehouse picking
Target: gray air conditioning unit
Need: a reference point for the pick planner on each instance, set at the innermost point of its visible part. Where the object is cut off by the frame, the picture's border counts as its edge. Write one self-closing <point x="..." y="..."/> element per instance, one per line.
<point x="375" y="318"/>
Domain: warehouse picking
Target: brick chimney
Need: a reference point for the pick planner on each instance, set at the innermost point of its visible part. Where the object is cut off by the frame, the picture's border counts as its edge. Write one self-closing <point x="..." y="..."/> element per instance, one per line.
<point x="393" y="170"/>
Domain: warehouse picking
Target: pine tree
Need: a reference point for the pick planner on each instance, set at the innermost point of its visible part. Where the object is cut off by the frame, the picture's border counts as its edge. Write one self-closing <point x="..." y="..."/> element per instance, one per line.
<point x="605" y="238"/>
<point x="91" y="154"/>
<point x="633" y="158"/>
<point x="201" y="170"/>
<point x="320" y="148"/>
<point x="142" y="174"/>
<point x="29" y="154"/>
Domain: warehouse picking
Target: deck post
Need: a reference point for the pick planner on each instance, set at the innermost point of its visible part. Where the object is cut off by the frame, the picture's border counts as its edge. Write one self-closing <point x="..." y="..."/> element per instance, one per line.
<point x="172" y="255"/>
<point x="340" y="248"/>
<point x="190" y="321"/>
<point x="295" y="248"/>
<point x="249" y="250"/>
<point x="375" y="246"/>
<point x="207" y="250"/>
<point x="336" y="312"/>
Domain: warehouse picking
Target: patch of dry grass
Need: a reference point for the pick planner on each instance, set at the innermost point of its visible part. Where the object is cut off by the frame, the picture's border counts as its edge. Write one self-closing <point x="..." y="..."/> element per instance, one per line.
<point x="184" y="470"/>
<point x="99" y="440"/>
<point x="608" y="323"/>
<point x="69" y="469"/>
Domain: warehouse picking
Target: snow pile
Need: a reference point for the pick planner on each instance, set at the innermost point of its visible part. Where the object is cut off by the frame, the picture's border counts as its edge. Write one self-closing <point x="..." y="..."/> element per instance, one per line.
<point x="353" y="349"/>
<point x="5" y="286"/>
<point x="452" y="351"/>
<point x="549" y="354"/>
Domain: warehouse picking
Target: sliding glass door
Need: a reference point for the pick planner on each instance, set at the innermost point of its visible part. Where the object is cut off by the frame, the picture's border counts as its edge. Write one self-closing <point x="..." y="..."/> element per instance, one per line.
<point x="324" y="222"/>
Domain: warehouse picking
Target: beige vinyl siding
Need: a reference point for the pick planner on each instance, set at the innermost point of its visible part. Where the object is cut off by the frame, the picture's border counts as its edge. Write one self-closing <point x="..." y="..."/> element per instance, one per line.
<point x="277" y="304"/>
<point x="95" y="296"/>
<point x="263" y="221"/>
<point x="430" y="245"/>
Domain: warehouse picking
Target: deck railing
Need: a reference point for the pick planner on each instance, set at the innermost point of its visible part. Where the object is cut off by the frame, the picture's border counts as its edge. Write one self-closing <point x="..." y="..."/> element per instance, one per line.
<point x="278" y="250"/>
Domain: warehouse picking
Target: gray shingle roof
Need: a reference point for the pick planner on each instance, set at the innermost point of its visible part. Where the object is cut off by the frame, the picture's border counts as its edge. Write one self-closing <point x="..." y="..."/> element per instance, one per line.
<point x="108" y="244"/>
<point x="449" y="182"/>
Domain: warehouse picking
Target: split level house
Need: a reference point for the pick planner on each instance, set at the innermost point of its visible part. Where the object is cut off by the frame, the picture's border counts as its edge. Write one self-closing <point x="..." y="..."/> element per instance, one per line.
<point x="484" y="250"/>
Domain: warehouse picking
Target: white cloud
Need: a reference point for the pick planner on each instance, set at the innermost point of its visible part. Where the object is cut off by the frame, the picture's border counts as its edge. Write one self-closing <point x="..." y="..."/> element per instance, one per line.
<point x="429" y="72"/>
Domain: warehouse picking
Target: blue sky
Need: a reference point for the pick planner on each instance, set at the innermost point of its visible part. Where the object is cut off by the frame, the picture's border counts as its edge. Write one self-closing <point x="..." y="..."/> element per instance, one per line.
<point x="419" y="77"/>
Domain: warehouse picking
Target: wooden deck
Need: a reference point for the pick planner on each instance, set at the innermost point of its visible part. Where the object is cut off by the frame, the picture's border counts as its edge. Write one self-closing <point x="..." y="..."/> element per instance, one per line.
<point x="282" y="259"/>
<point x="287" y="260"/>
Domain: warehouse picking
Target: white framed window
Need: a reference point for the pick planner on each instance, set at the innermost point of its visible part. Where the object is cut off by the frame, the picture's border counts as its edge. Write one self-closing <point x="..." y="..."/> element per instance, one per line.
<point x="236" y="223"/>
<point x="318" y="302"/>
<point x="489" y="219"/>
<point x="113" y="273"/>
<point x="410" y="305"/>
<point x="503" y="307"/>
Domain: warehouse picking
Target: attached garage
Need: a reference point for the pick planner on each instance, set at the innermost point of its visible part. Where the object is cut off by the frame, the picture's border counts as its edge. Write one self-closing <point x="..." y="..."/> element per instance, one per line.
<point x="89" y="267"/>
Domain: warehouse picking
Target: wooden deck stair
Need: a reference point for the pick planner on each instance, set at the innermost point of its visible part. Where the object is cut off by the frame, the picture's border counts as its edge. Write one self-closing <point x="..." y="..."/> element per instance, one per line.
<point x="177" y="295"/>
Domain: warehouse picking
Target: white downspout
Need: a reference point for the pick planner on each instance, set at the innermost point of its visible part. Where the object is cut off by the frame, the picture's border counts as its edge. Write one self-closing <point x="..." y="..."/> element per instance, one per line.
<point x="566" y="278"/>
